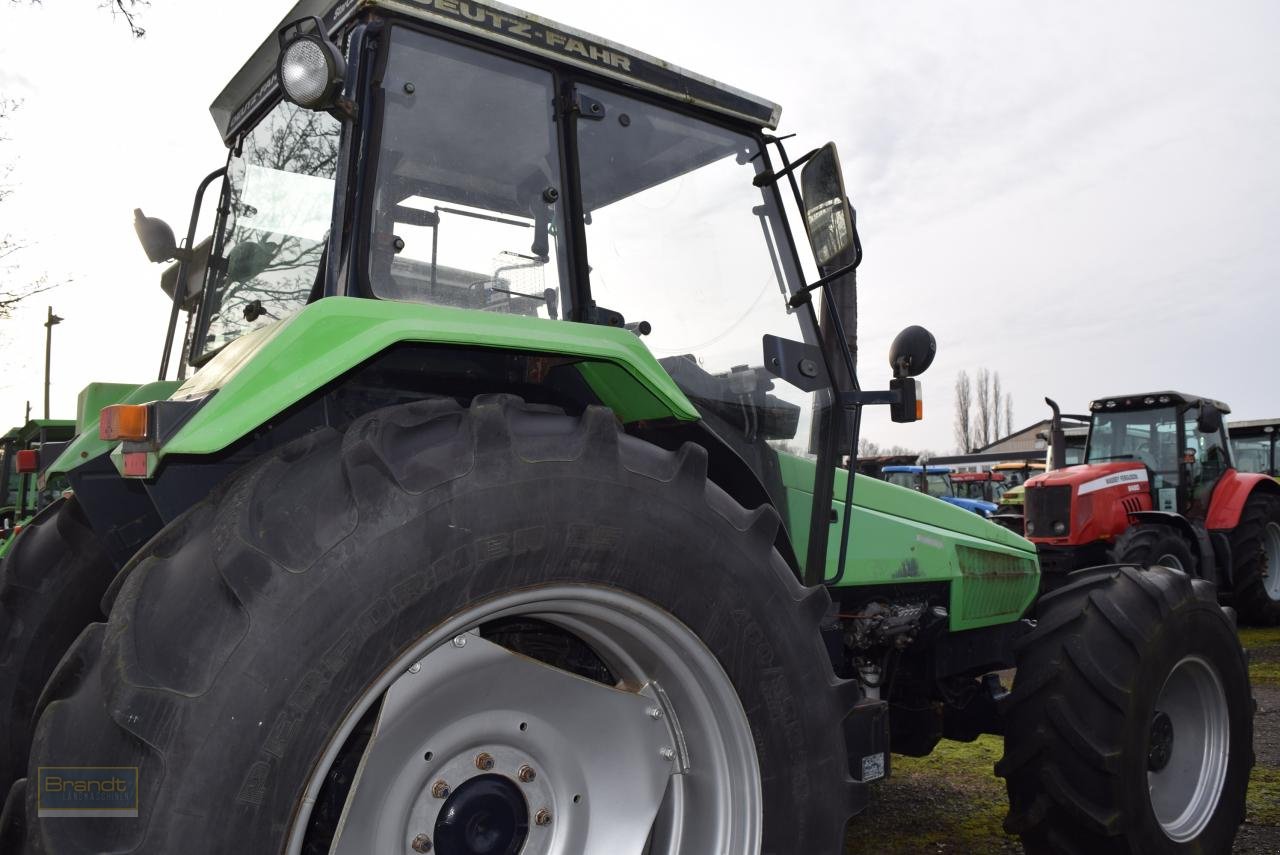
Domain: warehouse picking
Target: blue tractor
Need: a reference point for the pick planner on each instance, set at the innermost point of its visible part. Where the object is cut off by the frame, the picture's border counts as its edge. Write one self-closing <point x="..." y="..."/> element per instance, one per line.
<point x="935" y="481"/>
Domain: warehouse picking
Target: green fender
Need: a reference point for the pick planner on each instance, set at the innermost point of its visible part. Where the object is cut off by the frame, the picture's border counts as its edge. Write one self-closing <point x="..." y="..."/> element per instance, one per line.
<point x="262" y="373"/>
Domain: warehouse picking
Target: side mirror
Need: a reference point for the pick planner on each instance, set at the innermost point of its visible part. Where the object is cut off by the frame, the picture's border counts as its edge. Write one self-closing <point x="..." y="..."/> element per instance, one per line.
<point x="912" y="352"/>
<point x="156" y="237"/>
<point x="1209" y="420"/>
<point x="198" y="264"/>
<point x="828" y="218"/>
<point x="249" y="259"/>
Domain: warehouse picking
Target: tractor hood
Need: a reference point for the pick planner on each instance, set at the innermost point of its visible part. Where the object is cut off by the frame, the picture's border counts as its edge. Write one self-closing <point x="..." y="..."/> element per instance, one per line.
<point x="1091" y="477"/>
<point x="973" y="506"/>
<point x="920" y="507"/>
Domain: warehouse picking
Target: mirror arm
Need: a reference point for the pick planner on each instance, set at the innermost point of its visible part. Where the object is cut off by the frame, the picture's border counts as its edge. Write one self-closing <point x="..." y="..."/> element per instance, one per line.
<point x="770" y="177"/>
<point x="799" y="298"/>
<point x="184" y="264"/>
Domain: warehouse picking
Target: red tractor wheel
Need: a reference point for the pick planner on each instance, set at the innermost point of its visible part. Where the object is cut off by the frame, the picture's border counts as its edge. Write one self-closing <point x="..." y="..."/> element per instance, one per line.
<point x="1149" y="545"/>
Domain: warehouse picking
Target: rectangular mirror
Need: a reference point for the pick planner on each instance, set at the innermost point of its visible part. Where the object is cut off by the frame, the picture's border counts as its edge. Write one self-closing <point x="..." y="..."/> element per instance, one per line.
<point x="827" y="217"/>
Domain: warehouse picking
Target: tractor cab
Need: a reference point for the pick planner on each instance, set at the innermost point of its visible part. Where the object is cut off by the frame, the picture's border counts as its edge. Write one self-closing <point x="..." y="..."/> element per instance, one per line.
<point x="24" y="452"/>
<point x="1253" y="446"/>
<point x="1177" y="441"/>
<point x="981" y="486"/>
<point x="935" y="481"/>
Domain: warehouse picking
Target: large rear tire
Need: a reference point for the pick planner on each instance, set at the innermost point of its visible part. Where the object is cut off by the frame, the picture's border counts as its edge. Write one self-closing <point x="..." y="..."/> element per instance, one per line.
<point x="335" y="629"/>
<point x="1129" y="730"/>
<point x="1255" y="551"/>
<point x="51" y="587"/>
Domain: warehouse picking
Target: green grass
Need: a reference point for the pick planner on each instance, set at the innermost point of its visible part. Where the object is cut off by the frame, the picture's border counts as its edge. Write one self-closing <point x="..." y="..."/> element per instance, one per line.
<point x="1264" y="661"/>
<point x="1260" y="636"/>
<point x="1264" y="796"/>
<point x="951" y="797"/>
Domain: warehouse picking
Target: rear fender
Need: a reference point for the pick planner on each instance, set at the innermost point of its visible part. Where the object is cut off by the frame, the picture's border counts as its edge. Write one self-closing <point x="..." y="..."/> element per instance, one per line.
<point x="1229" y="497"/>
<point x="271" y="369"/>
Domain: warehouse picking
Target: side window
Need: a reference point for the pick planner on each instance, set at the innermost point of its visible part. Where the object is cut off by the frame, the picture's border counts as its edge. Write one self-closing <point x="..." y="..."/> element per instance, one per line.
<point x="1208" y="451"/>
<point x="468" y="209"/>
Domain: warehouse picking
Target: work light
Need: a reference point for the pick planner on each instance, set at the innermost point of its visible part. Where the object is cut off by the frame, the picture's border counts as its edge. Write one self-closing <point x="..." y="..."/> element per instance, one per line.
<point x="311" y="67"/>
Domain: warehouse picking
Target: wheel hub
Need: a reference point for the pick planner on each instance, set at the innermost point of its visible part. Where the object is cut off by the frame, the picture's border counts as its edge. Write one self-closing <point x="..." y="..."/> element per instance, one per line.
<point x="1186" y="775"/>
<point x="1161" y="742"/>
<point x="487" y="815"/>
<point x="597" y="767"/>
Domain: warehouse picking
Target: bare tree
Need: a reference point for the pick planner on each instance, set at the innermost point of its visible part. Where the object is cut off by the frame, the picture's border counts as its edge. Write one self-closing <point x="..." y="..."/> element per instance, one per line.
<point x="997" y="407"/>
<point x="13" y="290"/>
<point x="964" y="407"/>
<point x="126" y="9"/>
<point x="1008" y="414"/>
<point x="982" y="427"/>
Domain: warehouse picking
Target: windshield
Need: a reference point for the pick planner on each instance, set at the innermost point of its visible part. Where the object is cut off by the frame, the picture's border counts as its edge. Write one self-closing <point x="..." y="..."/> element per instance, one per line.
<point x="938" y="485"/>
<point x="469" y="206"/>
<point x="279" y="192"/>
<point x="1253" y="454"/>
<point x="1149" y="437"/>
<point x="910" y="480"/>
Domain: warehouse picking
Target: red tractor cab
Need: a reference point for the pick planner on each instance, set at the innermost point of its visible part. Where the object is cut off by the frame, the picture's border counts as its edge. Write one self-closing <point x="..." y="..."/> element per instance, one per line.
<point x="1158" y="486"/>
<point x="983" y="486"/>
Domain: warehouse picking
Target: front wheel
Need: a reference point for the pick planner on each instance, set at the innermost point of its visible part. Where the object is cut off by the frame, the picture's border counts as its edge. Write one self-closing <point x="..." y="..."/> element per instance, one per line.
<point x="1153" y="543"/>
<point x="486" y="630"/>
<point x="1130" y="724"/>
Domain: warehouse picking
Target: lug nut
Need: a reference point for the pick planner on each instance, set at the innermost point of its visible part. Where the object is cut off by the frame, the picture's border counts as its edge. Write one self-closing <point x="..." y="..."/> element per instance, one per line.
<point x="484" y="762"/>
<point x="460" y="641"/>
<point x="440" y="790"/>
<point x="526" y="774"/>
<point x="668" y="754"/>
<point x="542" y="817"/>
<point x="421" y="843"/>
<point x="655" y="713"/>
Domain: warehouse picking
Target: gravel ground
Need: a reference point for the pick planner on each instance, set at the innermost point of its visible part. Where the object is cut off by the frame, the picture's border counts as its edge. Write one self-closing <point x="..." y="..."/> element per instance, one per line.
<point x="951" y="802"/>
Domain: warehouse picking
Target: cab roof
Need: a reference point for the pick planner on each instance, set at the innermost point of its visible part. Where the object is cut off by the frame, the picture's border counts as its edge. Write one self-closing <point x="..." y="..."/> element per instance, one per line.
<point x="255" y="84"/>
<point x="1253" y="426"/>
<point x="931" y="470"/>
<point x="1146" y="400"/>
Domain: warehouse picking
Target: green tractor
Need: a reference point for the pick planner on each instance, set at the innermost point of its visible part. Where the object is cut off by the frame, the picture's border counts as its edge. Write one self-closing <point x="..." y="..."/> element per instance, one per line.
<point x="22" y="495"/>
<point x="472" y="531"/>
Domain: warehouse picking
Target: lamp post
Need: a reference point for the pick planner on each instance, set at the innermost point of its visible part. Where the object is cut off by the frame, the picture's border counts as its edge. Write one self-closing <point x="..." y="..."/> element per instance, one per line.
<point x="50" y="322"/>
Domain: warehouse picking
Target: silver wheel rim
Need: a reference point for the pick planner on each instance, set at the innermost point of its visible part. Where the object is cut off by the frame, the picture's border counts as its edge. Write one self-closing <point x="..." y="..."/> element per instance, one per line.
<point x="1185" y="777"/>
<point x="1171" y="561"/>
<point x="663" y="763"/>
<point x="1271" y="553"/>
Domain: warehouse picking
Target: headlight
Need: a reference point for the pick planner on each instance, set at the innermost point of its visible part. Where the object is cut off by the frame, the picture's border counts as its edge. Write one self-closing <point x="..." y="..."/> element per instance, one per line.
<point x="311" y="67"/>
<point x="1059" y="528"/>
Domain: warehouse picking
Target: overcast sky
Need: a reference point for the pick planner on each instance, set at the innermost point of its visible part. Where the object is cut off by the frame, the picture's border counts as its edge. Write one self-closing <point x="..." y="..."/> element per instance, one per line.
<point x="1079" y="195"/>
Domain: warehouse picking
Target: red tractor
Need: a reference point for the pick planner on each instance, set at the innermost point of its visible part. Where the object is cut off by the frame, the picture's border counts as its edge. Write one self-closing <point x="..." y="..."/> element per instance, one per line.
<point x="1158" y="486"/>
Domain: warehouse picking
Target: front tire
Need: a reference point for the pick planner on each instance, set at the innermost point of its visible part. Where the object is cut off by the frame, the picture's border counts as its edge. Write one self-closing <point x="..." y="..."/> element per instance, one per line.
<point x="251" y="665"/>
<point x="1255" y="550"/>
<point x="1153" y="543"/>
<point x="1130" y="725"/>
